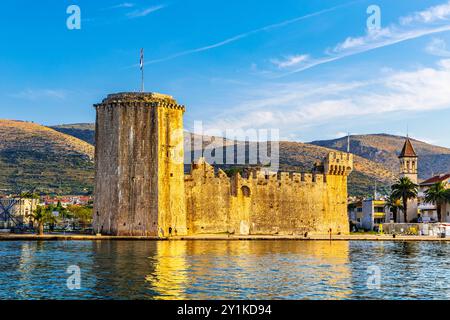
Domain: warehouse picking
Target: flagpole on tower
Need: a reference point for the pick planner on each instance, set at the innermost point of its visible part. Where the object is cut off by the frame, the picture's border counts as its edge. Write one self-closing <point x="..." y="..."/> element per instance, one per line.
<point x="141" y="63"/>
<point x="348" y="142"/>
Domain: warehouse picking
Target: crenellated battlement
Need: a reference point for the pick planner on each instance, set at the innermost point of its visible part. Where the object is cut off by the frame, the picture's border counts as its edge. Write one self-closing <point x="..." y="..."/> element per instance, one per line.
<point x="138" y="99"/>
<point x="261" y="202"/>
<point x="338" y="163"/>
<point x="202" y="169"/>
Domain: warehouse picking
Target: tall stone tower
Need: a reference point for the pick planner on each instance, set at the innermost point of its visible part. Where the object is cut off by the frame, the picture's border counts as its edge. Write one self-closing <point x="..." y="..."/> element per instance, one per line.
<point x="408" y="161"/>
<point x="139" y="171"/>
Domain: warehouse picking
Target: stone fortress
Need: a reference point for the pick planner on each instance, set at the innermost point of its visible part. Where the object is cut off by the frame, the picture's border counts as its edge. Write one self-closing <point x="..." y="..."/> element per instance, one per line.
<point x="141" y="188"/>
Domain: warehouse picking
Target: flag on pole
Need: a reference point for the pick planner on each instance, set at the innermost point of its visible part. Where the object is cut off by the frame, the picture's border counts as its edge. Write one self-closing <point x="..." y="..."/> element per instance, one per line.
<point x="141" y="65"/>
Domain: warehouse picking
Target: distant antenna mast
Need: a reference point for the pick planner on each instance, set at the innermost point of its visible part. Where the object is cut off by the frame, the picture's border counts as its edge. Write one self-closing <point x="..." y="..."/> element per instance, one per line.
<point x="348" y="142"/>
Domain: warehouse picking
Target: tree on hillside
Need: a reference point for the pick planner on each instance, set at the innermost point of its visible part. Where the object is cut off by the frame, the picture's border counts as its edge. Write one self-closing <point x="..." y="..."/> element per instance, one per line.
<point x="438" y="194"/>
<point x="404" y="189"/>
<point x="394" y="204"/>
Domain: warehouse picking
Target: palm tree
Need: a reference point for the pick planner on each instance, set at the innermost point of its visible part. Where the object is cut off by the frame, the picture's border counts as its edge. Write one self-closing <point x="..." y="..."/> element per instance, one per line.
<point x="42" y="216"/>
<point x="404" y="189"/>
<point x="393" y="204"/>
<point x="438" y="194"/>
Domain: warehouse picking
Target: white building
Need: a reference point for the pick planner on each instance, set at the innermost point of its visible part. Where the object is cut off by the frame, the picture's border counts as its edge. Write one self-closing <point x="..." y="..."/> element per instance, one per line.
<point x="428" y="211"/>
<point x="374" y="213"/>
<point x="369" y="214"/>
<point x="16" y="211"/>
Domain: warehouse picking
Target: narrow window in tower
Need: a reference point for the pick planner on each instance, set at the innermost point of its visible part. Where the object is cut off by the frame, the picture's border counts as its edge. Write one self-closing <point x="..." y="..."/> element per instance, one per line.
<point x="245" y="191"/>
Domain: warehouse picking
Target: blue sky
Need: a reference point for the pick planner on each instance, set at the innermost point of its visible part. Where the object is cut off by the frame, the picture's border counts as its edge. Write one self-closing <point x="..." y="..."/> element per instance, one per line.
<point x="309" y="68"/>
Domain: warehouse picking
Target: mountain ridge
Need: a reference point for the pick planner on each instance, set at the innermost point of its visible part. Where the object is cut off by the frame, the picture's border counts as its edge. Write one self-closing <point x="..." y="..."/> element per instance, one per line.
<point x="33" y="156"/>
<point x="385" y="148"/>
<point x="377" y="157"/>
<point x="70" y="153"/>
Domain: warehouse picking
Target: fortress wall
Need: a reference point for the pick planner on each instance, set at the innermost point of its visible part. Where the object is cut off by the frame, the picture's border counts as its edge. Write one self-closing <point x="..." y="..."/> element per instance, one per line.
<point x="141" y="189"/>
<point x="338" y="166"/>
<point x="127" y="190"/>
<point x="138" y="171"/>
<point x="207" y="200"/>
<point x="285" y="204"/>
<point x="335" y="216"/>
<point x="281" y="205"/>
<point x="171" y="196"/>
<point x="106" y="163"/>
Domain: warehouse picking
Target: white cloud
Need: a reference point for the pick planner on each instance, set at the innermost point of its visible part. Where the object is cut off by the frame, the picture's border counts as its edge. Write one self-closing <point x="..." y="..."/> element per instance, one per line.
<point x="293" y="107"/>
<point x="340" y="134"/>
<point x="290" y="61"/>
<point x="125" y="5"/>
<point x="438" y="47"/>
<point x="36" y="94"/>
<point x="430" y="15"/>
<point x="429" y="21"/>
<point x="121" y="6"/>
<point x="145" y="12"/>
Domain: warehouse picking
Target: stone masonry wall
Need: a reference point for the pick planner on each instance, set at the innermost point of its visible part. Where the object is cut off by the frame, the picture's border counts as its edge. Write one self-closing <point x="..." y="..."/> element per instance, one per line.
<point x="285" y="204"/>
<point x="208" y="200"/>
<point x="171" y="195"/>
<point x="141" y="189"/>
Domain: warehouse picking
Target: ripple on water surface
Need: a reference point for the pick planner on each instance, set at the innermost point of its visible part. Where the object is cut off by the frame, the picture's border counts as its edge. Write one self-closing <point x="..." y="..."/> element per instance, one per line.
<point x="224" y="270"/>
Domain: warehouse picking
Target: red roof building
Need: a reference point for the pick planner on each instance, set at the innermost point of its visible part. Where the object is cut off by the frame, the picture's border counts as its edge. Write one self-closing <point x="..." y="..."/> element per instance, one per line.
<point x="439" y="178"/>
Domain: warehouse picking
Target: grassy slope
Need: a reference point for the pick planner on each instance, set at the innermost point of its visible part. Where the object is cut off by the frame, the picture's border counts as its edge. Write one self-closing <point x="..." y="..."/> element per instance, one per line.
<point x="384" y="149"/>
<point x="82" y="131"/>
<point x="376" y="159"/>
<point x="34" y="156"/>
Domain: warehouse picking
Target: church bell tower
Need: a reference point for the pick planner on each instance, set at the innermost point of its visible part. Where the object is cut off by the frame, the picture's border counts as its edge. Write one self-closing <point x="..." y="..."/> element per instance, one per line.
<point x="408" y="161"/>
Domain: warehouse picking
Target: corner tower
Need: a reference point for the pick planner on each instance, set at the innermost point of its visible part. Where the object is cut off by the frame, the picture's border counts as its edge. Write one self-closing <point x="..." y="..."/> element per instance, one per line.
<point x="408" y="161"/>
<point x="139" y="171"/>
<point x="337" y="168"/>
<point x="338" y="164"/>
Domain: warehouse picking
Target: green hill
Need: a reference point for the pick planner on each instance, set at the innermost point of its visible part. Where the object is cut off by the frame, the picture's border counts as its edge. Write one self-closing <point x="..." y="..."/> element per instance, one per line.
<point x="37" y="157"/>
<point x="59" y="159"/>
<point x="82" y="131"/>
<point x="384" y="149"/>
<point x="366" y="173"/>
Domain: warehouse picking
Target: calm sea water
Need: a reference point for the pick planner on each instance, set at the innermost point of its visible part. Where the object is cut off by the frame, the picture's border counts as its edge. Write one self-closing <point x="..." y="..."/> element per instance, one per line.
<point x="225" y="270"/>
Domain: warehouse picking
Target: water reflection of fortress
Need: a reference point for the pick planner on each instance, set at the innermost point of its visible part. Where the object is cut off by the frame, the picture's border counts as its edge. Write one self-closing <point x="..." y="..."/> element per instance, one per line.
<point x="141" y="188"/>
<point x="244" y="269"/>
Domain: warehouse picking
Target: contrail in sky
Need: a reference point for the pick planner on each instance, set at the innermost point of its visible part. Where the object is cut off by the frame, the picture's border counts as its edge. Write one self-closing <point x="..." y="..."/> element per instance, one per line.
<point x="249" y="33"/>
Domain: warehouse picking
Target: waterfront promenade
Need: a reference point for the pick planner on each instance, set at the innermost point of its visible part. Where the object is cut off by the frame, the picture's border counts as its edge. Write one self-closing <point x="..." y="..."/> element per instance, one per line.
<point x="351" y="237"/>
